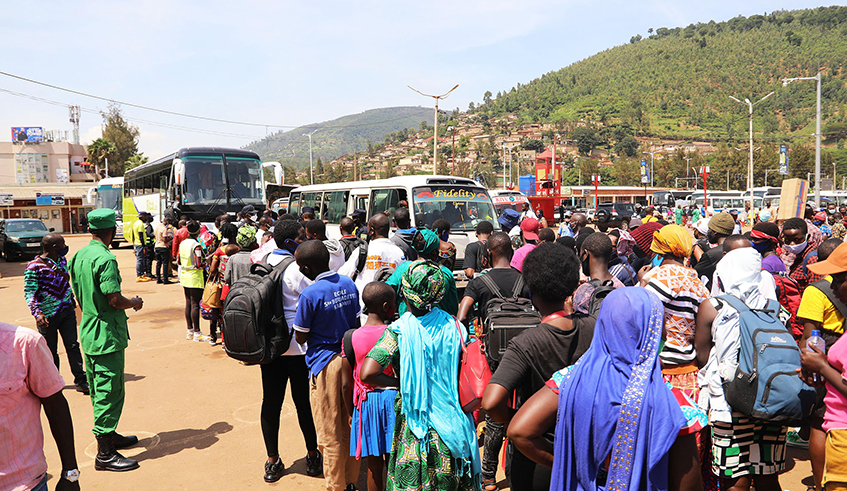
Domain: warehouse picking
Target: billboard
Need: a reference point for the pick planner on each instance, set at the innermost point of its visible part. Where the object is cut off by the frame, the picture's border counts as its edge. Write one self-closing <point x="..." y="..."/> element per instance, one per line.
<point x="32" y="168"/>
<point x="6" y="199"/>
<point x="55" y="199"/>
<point x="645" y="175"/>
<point x="27" y="134"/>
<point x="783" y="159"/>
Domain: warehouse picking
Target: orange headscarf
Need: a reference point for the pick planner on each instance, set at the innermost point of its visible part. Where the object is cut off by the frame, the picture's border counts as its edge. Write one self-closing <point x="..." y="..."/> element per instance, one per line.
<point x="672" y="240"/>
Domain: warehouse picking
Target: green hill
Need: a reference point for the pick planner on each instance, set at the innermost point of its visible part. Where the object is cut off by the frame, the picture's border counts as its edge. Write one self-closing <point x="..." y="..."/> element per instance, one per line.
<point x="676" y="82"/>
<point x="339" y="136"/>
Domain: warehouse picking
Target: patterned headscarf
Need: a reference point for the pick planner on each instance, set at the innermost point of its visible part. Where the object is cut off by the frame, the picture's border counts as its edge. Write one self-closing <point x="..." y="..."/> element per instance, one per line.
<point x="423" y="284"/>
<point x="673" y="240"/>
<point x="246" y="236"/>
<point x="430" y="240"/>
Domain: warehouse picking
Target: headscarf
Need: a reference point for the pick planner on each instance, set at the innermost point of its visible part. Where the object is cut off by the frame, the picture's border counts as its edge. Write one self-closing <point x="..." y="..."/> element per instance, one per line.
<point x="739" y="273"/>
<point x="702" y="225"/>
<point x="625" y="243"/>
<point x="617" y="388"/>
<point x="430" y="239"/>
<point x="246" y="236"/>
<point x="673" y="240"/>
<point x="423" y="285"/>
<point x="643" y="235"/>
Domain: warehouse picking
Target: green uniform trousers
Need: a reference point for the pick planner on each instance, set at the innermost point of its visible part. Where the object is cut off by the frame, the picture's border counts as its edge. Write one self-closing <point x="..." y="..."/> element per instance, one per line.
<point x="106" y="381"/>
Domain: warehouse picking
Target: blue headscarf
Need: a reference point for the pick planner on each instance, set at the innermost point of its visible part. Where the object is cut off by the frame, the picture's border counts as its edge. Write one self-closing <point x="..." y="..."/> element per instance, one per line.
<point x="617" y="387"/>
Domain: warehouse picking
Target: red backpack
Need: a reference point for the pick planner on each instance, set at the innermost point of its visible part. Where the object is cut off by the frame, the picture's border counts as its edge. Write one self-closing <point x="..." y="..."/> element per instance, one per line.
<point x="788" y="294"/>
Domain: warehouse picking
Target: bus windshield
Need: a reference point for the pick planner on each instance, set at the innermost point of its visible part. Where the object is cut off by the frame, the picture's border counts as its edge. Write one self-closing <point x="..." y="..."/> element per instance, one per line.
<point x="205" y="180"/>
<point x="110" y="196"/>
<point x="463" y="207"/>
<point x="245" y="180"/>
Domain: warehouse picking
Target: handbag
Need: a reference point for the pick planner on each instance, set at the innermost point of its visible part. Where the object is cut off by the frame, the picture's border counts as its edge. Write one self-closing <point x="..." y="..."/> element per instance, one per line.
<point x="474" y="374"/>
<point x="212" y="293"/>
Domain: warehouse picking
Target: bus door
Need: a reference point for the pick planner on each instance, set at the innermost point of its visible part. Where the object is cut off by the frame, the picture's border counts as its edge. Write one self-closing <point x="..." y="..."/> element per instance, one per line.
<point x="386" y="200"/>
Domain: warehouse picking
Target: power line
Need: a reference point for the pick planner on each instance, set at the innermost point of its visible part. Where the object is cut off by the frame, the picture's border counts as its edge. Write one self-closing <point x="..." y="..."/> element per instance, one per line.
<point x="174" y="113"/>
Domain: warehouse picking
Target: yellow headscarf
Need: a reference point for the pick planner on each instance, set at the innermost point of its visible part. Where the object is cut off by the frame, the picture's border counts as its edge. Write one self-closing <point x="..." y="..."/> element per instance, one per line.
<point x="673" y="240"/>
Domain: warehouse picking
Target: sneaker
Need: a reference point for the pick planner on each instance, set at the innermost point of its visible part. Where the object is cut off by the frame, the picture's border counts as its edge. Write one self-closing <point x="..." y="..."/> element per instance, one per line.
<point x="792" y="439"/>
<point x="314" y="465"/>
<point x="189" y="335"/>
<point x="213" y="342"/>
<point x="273" y="470"/>
<point x="200" y="338"/>
<point x="142" y="279"/>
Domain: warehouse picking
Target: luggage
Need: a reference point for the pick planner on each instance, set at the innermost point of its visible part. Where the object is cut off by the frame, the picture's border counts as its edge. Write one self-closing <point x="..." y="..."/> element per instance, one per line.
<point x="254" y="323"/>
<point x="505" y="318"/>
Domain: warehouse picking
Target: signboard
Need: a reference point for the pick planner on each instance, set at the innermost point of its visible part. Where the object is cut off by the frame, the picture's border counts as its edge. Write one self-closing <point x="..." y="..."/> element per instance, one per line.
<point x="645" y="175"/>
<point x="49" y="199"/>
<point x="62" y="175"/>
<point x="783" y="159"/>
<point x="31" y="168"/>
<point x="508" y="200"/>
<point x="586" y="192"/>
<point x="567" y="191"/>
<point x="27" y="134"/>
<point x="6" y="199"/>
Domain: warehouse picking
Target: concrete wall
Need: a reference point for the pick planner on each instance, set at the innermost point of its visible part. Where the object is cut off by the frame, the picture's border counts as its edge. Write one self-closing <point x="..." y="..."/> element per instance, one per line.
<point x="61" y="155"/>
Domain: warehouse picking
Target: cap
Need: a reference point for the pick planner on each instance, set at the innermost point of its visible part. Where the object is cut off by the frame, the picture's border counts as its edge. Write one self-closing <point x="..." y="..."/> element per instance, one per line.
<point x="765" y="216"/>
<point x="358" y="212"/>
<point x="702" y="225"/>
<point x="248" y="209"/>
<point x="835" y="263"/>
<point x="635" y="222"/>
<point x="821" y="215"/>
<point x="193" y="227"/>
<point x="529" y="228"/>
<point x="509" y="218"/>
<point x="308" y="209"/>
<point x="722" y="223"/>
<point x="101" y="218"/>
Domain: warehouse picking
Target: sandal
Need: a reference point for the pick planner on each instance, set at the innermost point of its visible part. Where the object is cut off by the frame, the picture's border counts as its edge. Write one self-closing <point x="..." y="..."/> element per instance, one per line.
<point x="489" y="485"/>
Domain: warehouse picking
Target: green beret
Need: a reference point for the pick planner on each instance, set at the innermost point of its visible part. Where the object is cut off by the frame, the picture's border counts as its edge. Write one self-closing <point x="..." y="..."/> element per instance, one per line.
<point x="101" y="218"/>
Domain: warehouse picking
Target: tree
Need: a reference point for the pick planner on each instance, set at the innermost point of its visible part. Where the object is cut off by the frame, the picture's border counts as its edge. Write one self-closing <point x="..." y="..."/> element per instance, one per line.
<point x="135" y="161"/>
<point x="627" y="172"/>
<point x="319" y="171"/>
<point x="536" y="145"/>
<point x="486" y="98"/>
<point x="586" y="139"/>
<point x="628" y="146"/>
<point x="124" y="137"/>
<point x="99" y="151"/>
<point x="389" y="169"/>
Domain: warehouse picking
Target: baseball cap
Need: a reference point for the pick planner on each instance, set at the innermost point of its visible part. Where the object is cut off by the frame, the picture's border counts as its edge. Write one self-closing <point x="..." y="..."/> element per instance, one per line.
<point x="529" y="227"/>
<point x="101" y="218"/>
<point x="835" y="263"/>
<point x="248" y="210"/>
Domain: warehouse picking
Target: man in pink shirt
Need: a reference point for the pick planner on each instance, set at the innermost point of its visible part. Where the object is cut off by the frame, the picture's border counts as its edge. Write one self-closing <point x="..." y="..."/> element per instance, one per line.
<point x="28" y="381"/>
<point x="529" y="237"/>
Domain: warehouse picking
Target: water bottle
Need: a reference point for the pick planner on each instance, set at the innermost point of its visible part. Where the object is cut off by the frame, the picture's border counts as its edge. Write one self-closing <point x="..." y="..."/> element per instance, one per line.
<point x="818" y="342"/>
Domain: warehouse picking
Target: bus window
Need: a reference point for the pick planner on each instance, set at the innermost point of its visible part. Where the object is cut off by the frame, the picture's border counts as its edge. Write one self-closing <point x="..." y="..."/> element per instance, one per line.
<point x="294" y="204"/>
<point x="463" y="207"/>
<point x="308" y="199"/>
<point x="386" y="200"/>
<point x="335" y="206"/>
<point x="204" y="179"/>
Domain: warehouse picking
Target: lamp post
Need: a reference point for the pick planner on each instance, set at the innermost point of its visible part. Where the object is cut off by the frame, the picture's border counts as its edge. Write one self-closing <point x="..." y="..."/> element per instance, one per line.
<point x="750" y="164"/>
<point x="687" y="160"/>
<point x="596" y="181"/>
<point x="704" y="171"/>
<point x="817" y="78"/>
<point x="311" y="169"/>
<point x="766" y="175"/>
<point x="652" y="154"/>
<point x="453" y="130"/>
<point x="435" y="124"/>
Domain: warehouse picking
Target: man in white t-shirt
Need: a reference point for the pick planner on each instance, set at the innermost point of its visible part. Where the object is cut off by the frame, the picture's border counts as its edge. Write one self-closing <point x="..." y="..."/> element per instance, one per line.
<point x="526" y="212"/>
<point x="382" y="253"/>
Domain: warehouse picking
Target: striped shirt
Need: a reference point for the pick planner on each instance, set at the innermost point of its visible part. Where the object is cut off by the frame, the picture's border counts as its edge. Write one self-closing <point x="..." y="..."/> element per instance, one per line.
<point x="47" y="287"/>
<point x="681" y="293"/>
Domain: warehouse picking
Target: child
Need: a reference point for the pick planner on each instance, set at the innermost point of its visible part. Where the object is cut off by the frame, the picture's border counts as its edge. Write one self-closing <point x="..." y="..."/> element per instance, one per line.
<point x="326" y="310"/>
<point x="372" y="407"/>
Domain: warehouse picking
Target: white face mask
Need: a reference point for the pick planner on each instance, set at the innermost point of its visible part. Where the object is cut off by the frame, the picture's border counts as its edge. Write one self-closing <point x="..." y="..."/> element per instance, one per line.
<point x="798" y="248"/>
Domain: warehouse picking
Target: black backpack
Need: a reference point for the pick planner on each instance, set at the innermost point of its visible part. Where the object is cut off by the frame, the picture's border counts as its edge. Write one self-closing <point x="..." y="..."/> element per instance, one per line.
<point x="505" y="318"/>
<point x="349" y="244"/>
<point x="254" y="327"/>
<point x="601" y="290"/>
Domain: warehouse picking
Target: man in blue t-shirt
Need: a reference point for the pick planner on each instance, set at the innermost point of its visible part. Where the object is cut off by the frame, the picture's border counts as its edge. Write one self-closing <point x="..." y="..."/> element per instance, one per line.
<point x="326" y="310"/>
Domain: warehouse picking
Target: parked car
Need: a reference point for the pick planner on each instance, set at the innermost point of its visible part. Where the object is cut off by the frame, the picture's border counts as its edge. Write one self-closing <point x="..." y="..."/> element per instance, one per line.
<point x="21" y="237"/>
<point x="615" y="212"/>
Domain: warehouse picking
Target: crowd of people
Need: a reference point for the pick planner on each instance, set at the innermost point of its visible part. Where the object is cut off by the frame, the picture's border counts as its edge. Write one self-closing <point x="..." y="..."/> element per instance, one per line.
<point x="616" y="379"/>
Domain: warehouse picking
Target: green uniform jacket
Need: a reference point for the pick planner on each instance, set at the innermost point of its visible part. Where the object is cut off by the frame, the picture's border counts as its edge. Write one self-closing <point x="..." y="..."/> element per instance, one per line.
<point x="94" y="274"/>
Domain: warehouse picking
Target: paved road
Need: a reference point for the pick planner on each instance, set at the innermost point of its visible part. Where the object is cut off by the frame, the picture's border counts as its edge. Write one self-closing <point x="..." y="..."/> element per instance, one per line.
<point x="195" y="410"/>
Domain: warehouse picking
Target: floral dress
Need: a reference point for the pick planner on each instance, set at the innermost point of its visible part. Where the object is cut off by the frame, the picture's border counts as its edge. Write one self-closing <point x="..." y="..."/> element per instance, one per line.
<point x="419" y="465"/>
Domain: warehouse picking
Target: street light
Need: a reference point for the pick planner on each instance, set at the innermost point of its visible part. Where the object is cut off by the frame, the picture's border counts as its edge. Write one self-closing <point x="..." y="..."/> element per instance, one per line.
<point x="750" y="164"/>
<point x="435" y="124"/>
<point x="687" y="160"/>
<point x="766" y="175"/>
<point x="311" y="170"/>
<point x="817" y="77"/>
<point x="651" y="165"/>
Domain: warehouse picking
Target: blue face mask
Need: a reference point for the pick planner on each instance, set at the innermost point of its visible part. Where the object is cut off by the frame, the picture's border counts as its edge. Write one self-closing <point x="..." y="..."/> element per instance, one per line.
<point x="657" y="261"/>
<point x="761" y="246"/>
<point x="64" y="251"/>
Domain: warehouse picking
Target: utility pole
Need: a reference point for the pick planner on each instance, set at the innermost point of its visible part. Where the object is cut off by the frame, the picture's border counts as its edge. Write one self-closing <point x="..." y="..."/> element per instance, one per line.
<point x="311" y="169"/>
<point x="435" y="124"/>
<point x="750" y="164"/>
<point x="687" y="159"/>
<point x="817" y="78"/>
<point x="652" y="154"/>
<point x="73" y="113"/>
<point x="454" y="150"/>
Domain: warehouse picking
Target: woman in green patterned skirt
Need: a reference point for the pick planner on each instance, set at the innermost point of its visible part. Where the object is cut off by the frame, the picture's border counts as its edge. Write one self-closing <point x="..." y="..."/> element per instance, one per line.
<point x="435" y="446"/>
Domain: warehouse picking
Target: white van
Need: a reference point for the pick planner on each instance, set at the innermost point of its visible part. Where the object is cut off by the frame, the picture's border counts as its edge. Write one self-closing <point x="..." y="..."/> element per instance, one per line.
<point x="504" y="198"/>
<point x="460" y="200"/>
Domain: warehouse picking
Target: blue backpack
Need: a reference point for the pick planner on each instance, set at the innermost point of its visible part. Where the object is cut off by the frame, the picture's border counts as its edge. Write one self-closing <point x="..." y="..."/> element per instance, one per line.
<point x="766" y="385"/>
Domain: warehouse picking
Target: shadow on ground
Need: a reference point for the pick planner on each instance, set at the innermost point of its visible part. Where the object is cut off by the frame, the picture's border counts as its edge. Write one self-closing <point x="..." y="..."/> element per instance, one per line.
<point x="173" y="442"/>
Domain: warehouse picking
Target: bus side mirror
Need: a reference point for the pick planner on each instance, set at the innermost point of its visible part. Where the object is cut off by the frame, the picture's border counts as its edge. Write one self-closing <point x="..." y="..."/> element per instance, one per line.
<point x="179" y="172"/>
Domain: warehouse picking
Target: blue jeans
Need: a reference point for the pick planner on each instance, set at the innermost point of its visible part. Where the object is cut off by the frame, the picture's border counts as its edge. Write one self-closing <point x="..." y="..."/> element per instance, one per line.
<point x="42" y="485"/>
<point x="140" y="261"/>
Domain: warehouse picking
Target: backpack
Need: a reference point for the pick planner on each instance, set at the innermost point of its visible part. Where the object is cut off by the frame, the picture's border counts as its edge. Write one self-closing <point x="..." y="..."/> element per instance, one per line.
<point x="765" y="385"/>
<point x="505" y="318"/>
<point x="361" y="261"/>
<point x="601" y="290"/>
<point x="349" y="244"/>
<point x="788" y="294"/>
<point x="254" y="323"/>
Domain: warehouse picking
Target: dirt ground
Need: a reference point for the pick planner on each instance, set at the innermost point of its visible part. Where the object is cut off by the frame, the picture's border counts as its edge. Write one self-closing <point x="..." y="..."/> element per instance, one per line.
<point x="195" y="410"/>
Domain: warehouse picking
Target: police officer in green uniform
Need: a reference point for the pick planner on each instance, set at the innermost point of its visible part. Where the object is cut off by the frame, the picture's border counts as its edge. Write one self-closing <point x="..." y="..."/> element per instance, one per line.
<point x="103" y="335"/>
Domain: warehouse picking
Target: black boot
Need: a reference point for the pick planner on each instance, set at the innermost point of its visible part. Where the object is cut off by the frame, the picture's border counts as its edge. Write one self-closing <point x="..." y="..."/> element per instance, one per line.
<point x="121" y="441"/>
<point x="108" y="458"/>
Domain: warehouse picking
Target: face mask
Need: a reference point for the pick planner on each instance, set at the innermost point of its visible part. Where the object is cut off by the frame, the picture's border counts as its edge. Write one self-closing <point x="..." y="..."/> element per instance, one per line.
<point x="818" y="223"/>
<point x="585" y="267"/>
<point x="291" y="244"/>
<point x="64" y="251"/>
<point x="657" y="261"/>
<point x="796" y="249"/>
<point x="761" y="246"/>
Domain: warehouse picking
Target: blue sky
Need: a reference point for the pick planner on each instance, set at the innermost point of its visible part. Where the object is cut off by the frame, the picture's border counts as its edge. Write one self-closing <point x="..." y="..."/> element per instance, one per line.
<point x="293" y="63"/>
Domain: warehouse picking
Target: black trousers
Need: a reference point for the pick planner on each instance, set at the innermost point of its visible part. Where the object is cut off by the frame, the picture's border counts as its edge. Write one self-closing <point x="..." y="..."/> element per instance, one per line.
<point x="64" y="323"/>
<point x="163" y="257"/>
<point x="192" y="308"/>
<point x="275" y="377"/>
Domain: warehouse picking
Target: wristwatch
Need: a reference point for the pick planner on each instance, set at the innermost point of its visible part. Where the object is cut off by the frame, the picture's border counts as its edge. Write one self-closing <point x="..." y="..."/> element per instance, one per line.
<point x="71" y="475"/>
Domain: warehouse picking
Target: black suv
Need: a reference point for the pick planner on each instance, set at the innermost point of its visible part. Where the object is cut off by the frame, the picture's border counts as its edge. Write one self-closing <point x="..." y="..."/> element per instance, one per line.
<point x="611" y="213"/>
<point x="21" y="237"/>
